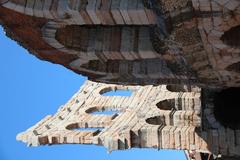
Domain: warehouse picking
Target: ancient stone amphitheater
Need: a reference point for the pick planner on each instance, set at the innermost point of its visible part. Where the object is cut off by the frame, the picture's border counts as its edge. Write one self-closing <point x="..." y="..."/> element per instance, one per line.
<point x="180" y="58"/>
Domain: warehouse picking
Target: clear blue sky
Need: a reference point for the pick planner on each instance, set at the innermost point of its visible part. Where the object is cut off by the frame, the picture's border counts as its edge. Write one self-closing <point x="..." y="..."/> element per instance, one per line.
<point x="30" y="89"/>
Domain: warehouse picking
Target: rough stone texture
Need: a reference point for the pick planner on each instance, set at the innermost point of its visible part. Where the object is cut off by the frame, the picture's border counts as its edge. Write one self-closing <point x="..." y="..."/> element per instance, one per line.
<point x="163" y="117"/>
<point x="152" y="116"/>
<point x="152" y="43"/>
<point x="132" y="42"/>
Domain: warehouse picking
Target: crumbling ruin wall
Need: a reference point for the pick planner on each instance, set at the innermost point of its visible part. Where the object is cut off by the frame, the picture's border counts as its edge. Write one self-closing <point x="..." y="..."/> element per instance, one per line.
<point x="164" y="46"/>
<point x="152" y="117"/>
<point x="163" y="117"/>
<point x="133" y="42"/>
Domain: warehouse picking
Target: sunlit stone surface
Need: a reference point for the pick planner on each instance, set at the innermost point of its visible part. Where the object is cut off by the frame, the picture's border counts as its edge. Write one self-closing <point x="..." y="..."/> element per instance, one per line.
<point x="164" y="47"/>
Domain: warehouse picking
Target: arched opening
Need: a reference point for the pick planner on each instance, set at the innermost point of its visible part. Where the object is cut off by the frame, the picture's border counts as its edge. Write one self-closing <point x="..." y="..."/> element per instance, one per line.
<point x="115" y="91"/>
<point x="168" y="104"/>
<point x="235" y="67"/>
<point x="125" y="93"/>
<point x="157" y="120"/>
<point x="227" y="107"/>
<point x="88" y="129"/>
<point x="76" y="127"/>
<point x="231" y="37"/>
<point x="102" y="111"/>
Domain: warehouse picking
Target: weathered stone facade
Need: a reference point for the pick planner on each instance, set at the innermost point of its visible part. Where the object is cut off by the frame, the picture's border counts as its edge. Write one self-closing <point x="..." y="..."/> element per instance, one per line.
<point x="160" y="49"/>
<point x="133" y="42"/>
<point x="152" y="116"/>
<point x="163" y="117"/>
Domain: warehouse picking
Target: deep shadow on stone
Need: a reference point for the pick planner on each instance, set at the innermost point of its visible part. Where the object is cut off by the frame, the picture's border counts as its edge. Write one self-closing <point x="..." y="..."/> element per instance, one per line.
<point x="226" y="107"/>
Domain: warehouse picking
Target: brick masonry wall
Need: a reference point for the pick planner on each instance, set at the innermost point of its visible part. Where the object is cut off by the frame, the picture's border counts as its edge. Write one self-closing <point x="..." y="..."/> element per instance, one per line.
<point x="163" y="117"/>
<point x="152" y="116"/>
<point x="150" y="42"/>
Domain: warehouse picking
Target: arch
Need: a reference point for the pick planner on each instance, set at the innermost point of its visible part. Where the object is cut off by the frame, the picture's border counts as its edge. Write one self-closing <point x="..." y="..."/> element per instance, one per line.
<point x="102" y="111"/>
<point x="231" y="37"/>
<point x="79" y="128"/>
<point x="157" y="120"/>
<point x="168" y="104"/>
<point x="88" y="129"/>
<point x="118" y="92"/>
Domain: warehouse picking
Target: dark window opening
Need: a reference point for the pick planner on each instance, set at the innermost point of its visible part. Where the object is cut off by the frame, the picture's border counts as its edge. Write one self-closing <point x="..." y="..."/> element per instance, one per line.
<point x="172" y="104"/>
<point x="168" y="104"/>
<point x="158" y="120"/>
